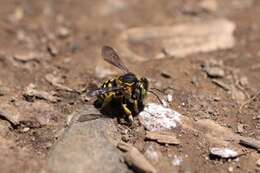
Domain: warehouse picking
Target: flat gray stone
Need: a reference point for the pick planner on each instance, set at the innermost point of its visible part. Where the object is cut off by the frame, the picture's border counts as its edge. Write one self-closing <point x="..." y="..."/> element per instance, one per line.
<point x="85" y="147"/>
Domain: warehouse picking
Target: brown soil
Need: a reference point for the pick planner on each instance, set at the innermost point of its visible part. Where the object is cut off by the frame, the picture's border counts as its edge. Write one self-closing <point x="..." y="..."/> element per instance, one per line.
<point x="41" y="26"/>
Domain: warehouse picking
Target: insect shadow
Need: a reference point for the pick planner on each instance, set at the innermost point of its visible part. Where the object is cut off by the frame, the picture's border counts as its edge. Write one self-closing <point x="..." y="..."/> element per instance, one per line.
<point x="111" y="110"/>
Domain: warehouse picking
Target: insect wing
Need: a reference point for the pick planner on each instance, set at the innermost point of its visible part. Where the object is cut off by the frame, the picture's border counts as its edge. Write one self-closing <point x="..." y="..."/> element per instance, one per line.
<point x="110" y="55"/>
<point x="102" y="91"/>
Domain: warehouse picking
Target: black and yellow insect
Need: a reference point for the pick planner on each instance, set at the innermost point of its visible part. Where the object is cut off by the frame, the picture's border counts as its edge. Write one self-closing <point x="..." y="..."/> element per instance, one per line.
<point x="126" y="92"/>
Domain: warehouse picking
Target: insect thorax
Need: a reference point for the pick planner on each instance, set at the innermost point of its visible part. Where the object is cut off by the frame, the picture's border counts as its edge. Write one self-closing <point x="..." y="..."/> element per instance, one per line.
<point x="128" y="79"/>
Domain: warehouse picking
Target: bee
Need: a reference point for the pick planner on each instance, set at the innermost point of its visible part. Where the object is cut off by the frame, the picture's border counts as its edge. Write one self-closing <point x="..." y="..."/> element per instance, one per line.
<point x="126" y="92"/>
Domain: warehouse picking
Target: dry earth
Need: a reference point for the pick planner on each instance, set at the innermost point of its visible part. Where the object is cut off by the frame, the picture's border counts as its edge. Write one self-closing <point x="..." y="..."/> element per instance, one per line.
<point x="205" y="53"/>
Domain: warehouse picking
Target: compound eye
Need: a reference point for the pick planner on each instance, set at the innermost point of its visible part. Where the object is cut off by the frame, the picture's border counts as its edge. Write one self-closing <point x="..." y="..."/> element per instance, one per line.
<point x="128" y="78"/>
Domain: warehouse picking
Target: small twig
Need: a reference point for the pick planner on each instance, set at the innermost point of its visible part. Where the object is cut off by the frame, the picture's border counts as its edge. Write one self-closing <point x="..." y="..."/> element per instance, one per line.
<point x="249" y="100"/>
<point x="161" y="91"/>
<point x="164" y="89"/>
<point x="221" y="84"/>
<point x="236" y="81"/>
<point x="250" y="142"/>
<point x="245" y="153"/>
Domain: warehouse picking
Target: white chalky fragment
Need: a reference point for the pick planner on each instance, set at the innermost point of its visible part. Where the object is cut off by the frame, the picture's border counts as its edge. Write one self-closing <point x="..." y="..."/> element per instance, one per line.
<point x="223" y="152"/>
<point x="156" y="117"/>
<point x="177" y="160"/>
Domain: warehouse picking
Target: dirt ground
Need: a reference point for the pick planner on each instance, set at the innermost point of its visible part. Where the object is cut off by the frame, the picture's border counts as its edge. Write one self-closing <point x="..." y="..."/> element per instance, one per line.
<point x="49" y="51"/>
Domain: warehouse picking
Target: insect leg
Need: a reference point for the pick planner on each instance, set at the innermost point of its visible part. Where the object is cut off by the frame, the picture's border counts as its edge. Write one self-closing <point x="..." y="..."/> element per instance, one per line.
<point x="107" y="99"/>
<point x="136" y="106"/>
<point x="128" y="112"/>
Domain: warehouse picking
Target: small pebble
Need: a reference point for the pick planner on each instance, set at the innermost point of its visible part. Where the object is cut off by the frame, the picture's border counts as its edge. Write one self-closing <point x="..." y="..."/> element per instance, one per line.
<point x="26" y="56"/>
<point x="52" y="49"/>
<point x="125" y="138"/>
<point x="215" y="72"/>
<point x="63" y="32"/>
<point x="48" y="145"/>
<point x="216" y="98"/>
<point x="169" y="98"/>
<point x="26" y="129"/>
<point x="230" y="169"/>
<point x="243" y="81"/>
<point x="124" y="132"/>
<point x="258" y="163"/>
<point x="223" y="152"/>
<point x="236" y="159"/>
<point x="240" y="128"/>
<point x="85" y="98"/>
<point x="177" y="160"/>
<point x="209" y="5"/>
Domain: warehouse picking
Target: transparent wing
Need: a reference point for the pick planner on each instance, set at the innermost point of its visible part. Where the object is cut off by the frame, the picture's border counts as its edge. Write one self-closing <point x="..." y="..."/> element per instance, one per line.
<point x="110" y="55"/>
<point x="103" y="91"/>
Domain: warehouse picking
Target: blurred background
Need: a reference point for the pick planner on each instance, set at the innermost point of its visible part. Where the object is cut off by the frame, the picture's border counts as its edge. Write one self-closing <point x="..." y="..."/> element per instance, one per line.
<point x="205" y="53"/>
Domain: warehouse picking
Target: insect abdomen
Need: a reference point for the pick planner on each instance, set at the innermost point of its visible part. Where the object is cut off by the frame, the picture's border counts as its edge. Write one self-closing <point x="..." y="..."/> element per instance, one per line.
<point x="108" y="84"/>
<point x="107" y="96"/>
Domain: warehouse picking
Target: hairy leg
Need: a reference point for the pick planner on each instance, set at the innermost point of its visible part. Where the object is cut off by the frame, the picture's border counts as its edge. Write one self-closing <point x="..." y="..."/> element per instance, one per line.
<point x="128" y="113"/>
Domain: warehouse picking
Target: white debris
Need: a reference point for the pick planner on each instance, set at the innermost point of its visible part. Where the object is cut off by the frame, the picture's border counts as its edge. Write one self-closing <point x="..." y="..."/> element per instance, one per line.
<point x="223" y="152"/>
<point x="230" y="169"/>
<point x="177" y="160"/>
<point x="156" y="117"/>
<point x="63" y="32"/>
<point x="169" y="98"/>
<point x="165" y="103"/>
<point x="151" y="153"/>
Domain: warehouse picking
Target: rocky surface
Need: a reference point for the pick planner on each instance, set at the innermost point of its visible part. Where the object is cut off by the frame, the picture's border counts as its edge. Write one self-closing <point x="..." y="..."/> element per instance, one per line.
<point x="87" y="147"/>
<point x="201" y="57"/>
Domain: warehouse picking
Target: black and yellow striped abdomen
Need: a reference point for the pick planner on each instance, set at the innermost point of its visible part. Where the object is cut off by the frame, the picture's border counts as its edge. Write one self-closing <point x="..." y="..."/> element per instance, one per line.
<point x="106" y="97"/>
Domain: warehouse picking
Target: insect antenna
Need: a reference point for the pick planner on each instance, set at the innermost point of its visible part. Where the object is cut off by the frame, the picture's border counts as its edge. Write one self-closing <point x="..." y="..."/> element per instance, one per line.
<point x="158" y="98"/>
<point x="161" y="91"/>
